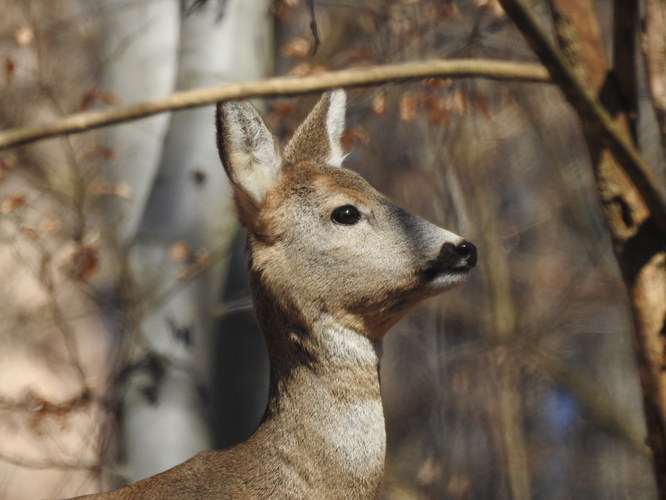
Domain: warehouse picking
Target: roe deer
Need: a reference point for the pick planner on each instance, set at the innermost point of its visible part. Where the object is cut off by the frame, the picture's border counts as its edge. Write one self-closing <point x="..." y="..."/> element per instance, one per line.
<point x="333" y="265"/>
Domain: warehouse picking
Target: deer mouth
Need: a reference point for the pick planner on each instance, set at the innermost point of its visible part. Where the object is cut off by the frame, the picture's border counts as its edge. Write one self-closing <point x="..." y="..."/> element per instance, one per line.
<point x="452" y="264"/>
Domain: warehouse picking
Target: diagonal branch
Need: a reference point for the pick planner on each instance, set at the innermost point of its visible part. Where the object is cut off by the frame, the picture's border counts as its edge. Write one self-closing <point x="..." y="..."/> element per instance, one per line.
<point x="631" y="201"/>
<point x="591" y="111"/>
<point x="282" y="86"/>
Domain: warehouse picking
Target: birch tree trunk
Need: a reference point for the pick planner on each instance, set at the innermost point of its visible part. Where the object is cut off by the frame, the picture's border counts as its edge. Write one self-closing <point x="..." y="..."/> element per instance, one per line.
<point x="139" y="53"/>
<point x="182" y="241"/>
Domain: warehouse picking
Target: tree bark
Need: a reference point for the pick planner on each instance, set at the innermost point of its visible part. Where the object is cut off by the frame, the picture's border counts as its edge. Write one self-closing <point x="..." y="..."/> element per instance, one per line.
<point x="629" y="205"/>
<point x="139" y="47"/>
<point x="654" y="50"/>
<point x="188" y="226"/>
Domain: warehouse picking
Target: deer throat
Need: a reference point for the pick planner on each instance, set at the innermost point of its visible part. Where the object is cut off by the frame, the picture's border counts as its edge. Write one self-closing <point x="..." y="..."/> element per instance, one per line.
<point x="330" y="401"/>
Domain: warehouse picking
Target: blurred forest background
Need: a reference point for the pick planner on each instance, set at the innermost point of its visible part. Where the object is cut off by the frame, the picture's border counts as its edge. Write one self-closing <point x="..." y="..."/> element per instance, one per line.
<point x="126" y="335"/>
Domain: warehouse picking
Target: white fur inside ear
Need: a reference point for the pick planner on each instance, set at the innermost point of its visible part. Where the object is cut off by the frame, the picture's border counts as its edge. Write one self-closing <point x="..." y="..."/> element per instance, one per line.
<point x="253" y="153"/>
<point x="335" y="126"/>
<point x="255" y="175"/>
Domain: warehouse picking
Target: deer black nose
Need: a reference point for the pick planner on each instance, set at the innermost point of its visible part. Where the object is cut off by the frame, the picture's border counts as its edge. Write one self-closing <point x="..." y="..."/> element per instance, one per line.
<point x="467" y="251"/>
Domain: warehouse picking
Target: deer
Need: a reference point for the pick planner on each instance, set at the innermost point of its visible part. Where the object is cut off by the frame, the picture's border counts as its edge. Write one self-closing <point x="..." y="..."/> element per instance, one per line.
<point x="333" y="265"/>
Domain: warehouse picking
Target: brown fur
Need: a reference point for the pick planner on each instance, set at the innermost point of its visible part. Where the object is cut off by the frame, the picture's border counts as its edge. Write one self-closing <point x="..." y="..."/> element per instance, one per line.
<point x="325" y="294"/>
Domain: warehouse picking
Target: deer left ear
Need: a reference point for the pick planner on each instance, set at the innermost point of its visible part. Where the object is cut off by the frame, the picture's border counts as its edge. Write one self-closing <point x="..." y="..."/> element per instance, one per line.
<point x="249" y="152"/>
<point x="318" y="139"/>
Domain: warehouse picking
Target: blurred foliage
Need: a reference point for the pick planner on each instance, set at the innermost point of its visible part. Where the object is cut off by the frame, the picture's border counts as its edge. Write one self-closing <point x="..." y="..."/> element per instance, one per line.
<point x="520" y="384"/>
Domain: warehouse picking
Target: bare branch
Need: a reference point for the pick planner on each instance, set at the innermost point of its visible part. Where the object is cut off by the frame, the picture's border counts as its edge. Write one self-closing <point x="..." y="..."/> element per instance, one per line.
<point x="33" y="403"/>
<point x="372" y="75"/>
<point x="314" y="28"/>
<point x="48" y="464"/>
<point x="583" y="72"/>
<point x="592" y="113"/>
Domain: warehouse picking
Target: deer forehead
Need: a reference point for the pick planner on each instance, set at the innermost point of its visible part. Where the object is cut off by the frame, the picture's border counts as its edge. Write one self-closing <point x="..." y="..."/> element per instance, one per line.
<point x="323" y="186"/>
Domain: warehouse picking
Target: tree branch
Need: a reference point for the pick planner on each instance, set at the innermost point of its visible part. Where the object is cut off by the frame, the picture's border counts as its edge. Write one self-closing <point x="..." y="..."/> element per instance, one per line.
<point x="373" y="75"/>
<point x="654" y="48"/>
<point x="49" y="464"/>
<point x="625" y="23"/>
<point x="631" y="200"/>
<point x="314" y="28"/>
<point x="592" y="113"/>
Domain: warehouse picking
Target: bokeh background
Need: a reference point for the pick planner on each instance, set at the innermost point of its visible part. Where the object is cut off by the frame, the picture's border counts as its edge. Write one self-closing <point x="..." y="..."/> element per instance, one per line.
<point x="126" y="330"/>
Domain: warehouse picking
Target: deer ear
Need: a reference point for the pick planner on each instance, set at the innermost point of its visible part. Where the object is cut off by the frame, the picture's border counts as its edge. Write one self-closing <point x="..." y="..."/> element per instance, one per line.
<point x="318" y="138"/>
<point x="249" y="152"/>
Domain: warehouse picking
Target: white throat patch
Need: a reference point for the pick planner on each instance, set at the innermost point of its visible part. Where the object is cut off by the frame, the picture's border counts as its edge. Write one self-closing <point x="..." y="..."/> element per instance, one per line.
<point x="347" y="346"/>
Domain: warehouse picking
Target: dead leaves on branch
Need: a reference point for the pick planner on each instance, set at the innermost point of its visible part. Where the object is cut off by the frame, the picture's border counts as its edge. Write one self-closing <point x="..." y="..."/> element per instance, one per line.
<point x="438" y="107"/>
<point x="40" y="408"/>
<point x="9" y="69"/>
<point x="84" y="263"/>
<point x="95" y="95"/>
<point x="12" y="203"/>
<point x="192" y="263"/>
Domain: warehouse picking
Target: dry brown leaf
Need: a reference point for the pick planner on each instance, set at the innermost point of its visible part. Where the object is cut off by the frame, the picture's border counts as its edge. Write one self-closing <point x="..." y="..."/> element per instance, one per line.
<point x="10" y="69"/>
<point x="84" y="263"/>
<point x="456" y="102"/>
<point x="88" y="98"/>
<point x="409" y="103"/>
<point x="108" y="97"/>
<point x="120" y="189"/>
<point x="50" y="224"/>
<point x="24" y="35"/>
<point x="12" y="203"/>
<point x="437" y="83"/>
<point x="379" y="105"/>
<point x="203" y="258"/>
<point x="481" y="102"/>
<point x="436" y="107"/>
<point x="179" y="251"/>
<point x="29" y="233"/>
<point x="297" y="47"/>
<point x="354" y="135"/>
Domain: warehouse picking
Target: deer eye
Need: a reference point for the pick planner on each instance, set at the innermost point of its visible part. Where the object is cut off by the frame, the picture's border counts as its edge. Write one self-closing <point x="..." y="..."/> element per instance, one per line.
<point x="347" y="215"/>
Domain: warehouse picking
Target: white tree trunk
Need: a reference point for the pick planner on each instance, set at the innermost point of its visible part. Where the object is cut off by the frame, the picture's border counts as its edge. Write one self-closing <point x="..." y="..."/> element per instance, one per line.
<point x="190" y="207"/>
<point x="139" y="54"/>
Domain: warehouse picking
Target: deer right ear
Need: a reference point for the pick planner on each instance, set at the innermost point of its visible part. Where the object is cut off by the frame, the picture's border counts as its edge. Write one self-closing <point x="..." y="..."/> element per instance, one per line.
<point x="318" y="138"/>
<point x="249" y="152"/>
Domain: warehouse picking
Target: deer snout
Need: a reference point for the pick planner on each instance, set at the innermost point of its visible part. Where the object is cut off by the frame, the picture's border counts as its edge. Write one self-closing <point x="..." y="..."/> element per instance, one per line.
<point x="454" y="259"/>
<point x="467" y="252"/>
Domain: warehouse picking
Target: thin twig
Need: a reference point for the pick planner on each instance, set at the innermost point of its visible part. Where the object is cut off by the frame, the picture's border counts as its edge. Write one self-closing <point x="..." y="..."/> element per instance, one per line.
<point x="314" y="29"/>
<point x="282" y="86"/>
<point x="48" y="464"/>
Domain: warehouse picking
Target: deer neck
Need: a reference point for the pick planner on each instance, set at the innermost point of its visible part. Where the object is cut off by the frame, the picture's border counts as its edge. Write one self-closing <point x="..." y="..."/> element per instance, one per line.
<point x="324" y="391"/>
